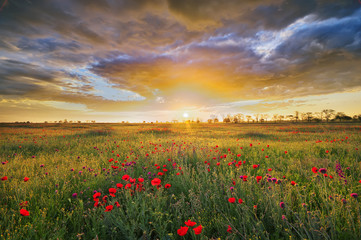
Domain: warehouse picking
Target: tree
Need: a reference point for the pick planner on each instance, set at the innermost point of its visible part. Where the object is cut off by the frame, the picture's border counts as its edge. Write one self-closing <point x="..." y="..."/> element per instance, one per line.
<point x="275" y="117"/>
<point x="309" y="116"/>
<point x="339" y="116"/>
<point x="256" y="116"/>
<point x="328" y="113"/>
<point x="297" y="115"/>
<point x="248" y="118"/>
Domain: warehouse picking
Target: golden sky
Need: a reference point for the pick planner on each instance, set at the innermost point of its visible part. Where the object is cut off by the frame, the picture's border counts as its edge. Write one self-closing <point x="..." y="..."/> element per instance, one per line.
<point x="147" y="60"/>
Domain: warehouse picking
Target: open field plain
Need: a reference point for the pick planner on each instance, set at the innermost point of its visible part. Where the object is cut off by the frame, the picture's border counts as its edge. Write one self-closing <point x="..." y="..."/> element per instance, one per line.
<point x="145" y="181"/>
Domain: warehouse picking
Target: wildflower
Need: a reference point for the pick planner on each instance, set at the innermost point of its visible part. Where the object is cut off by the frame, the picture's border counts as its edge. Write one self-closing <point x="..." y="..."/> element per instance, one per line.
<point x="26" y="179"/>
<point x="24" y="212"/>
<point x="112" y="191"/>
<point x="155" y="182"/>
<point x="293" y="183"/>
<point x="240" y="201"/>
<point x="182" y="231"/>
<point x="96" y="195"/>
<point x="109" y="208"/>
<point x="354" y="195"/>
<point x="315" y="169"/>
<point x="119" y="185"/>
<point x="75" y="195"/>
<point x="4" y="178"/>
<point x="126" y="177"/>
<point x="229" y="229"/>
<point x="198" y="230"/>
<point x="232" y="200"/>
<point x="140" y="180"/>
<point x="117" y="204"/>
<point x="282" y="204"/>
<point x="322" y="170"/>
<point x="255" y="166"/>
<point x="167" y="185"/>
<point x="189" y="223"/>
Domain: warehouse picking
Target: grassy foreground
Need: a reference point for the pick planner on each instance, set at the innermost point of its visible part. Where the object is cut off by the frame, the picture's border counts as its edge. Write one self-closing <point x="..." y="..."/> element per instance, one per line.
<point x="143" y="181"/>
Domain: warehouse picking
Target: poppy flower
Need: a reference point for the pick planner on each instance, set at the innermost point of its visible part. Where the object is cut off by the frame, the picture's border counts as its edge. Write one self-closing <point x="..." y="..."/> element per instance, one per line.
<point x="293" y="183"/>
<point x="109" y="208"/>
<point x="315" y="169"/>
<point x="255" y="166"/>
<point x="182" y="231"/>
<point x="117" y="204"/>
<point x="258" y="178"/>
<point x="75" y="195"/>
<point x="167" y="185"/>
<point x="24" y="212"/>
<point x="112" y="191"/>
<point x="270" y="169"/>
<point x="232" y="200"/>
<point x="198" y="230"/>
<point x="4" y="178"/>
<point x="96" y="195"/>
<point x="189" y="223"/>
<point x="282" y="204"/>
<point x="354" y="195"/>
<point x="126" y="177"/>
<point x="128" y="186"/>
<point x="155" y="181"/>
<point x="323" y="170"/>
<point x="26" y="179"/>
<point x="140" y="180"/>
<point x="240" y="201"/>
<point x="119" y="185"/>
<point x="229" y="229"/>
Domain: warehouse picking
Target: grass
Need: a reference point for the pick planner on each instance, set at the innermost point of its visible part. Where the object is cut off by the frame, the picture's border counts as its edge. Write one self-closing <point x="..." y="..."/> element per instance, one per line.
<point x="203" y="163"/>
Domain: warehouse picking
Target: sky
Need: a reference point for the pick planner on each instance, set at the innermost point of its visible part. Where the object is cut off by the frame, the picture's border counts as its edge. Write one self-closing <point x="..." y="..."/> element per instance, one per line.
<point x="148" y="60"/>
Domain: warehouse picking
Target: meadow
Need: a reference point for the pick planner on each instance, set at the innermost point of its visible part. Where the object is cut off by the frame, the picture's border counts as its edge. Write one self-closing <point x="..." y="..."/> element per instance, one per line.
<point x="180" y="181"/>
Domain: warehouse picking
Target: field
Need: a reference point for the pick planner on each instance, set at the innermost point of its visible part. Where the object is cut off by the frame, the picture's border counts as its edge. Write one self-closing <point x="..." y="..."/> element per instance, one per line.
<point x="144" y="181"/>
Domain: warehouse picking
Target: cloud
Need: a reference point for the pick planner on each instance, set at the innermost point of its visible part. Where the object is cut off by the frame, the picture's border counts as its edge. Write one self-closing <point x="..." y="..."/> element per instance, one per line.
<point x="169" y="54"/>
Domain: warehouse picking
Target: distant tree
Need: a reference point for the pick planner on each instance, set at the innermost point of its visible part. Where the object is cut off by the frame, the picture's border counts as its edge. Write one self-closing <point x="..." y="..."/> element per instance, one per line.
<point x="65" y="121"/>
<point x="309" y="116"/>
<point x="328" y="113"/>
<point x="275" y="117"/>
<point x="339" y="116"/>
<point x="198" y="120"/>
<point x="209" y="120"/>
<point x="216" y="120"/>
<point x="248" y="118"/>
<point x="45" y="121"/>
<point x="290" y="117"/>
<point x="257" y="116"/>
<point x="79" y="121"/>
<point x="319" y="115"/>
<point x="297" y="115"/>
<point x="226" y="120"/>
<point x="281" y="117"/>
<point x="239" y="117"/>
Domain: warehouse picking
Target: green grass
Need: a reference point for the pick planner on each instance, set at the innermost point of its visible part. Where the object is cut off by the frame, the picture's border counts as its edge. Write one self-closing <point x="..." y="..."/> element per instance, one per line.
<point x="200" y="188"/>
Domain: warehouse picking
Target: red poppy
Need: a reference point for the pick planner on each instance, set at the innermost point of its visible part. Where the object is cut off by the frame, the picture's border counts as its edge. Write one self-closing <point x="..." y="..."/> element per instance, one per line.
<point x="126" y="177"/>
<point x="189" y="223"/>
<point x="232" y="200"/>
<point x="255" y="166"/>
<point x="315" y="169"/>
<point x="259" y="178"/>
<point x="198" y="230"/>
<point x="119" y="185"/>
<point x="24" y="212"/>
<point x="128" y="186"/>
<point x="270" y="169"/>
<point x="293" y="183"/>
<point x="109" y="208"/>
<point x="112" y="191"/>
<point x="4" y="178"/>
<point x="117" y="204"/>
<point x="140" y="179"/>
<point x="155" y="181"/>
<point x="229" y="229"/>
<point x="240" y="201"/>
<point x="167" y="185"/>
<point x="182" y="231"/>
<point x="26" y="179"/>
<point x="97" y="195"/>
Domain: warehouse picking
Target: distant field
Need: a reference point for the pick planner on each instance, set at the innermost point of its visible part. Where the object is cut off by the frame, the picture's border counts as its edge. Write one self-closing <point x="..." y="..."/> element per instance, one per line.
<point x="144" y="181"/>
